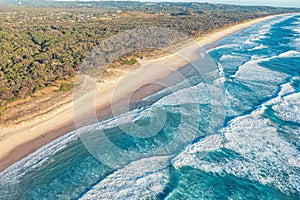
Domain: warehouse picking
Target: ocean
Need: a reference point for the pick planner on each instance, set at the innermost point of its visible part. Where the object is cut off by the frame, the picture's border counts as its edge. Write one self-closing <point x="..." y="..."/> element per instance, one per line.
<point x="237" y="140"/>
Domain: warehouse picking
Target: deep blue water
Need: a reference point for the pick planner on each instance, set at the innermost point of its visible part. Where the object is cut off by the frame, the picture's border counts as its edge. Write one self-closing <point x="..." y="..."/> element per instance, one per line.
<point x="244" y="145"/>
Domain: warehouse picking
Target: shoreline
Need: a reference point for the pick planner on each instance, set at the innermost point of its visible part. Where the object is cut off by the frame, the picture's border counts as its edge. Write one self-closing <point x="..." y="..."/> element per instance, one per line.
<point x="19" y="141"/>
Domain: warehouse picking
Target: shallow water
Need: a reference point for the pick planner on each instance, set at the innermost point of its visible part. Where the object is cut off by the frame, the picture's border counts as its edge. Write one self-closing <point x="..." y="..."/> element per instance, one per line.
<point x="252" y="151"/>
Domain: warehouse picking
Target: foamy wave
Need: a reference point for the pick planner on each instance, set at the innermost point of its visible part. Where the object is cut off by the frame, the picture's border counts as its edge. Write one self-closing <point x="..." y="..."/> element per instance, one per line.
<point x="288" y="108"/>
<point x="260" y="35"/>
<point x="228" y="57"/>
<point x="226" y="46"/>
<point x="232" y="101"/>
<point x="263" y="149"/>
<point x="289" y="54"/>
<point x="285" y="89"/>
<point x="250" y="42"/>
<point x="296" y="30"/>
<point x="254" y="37"/>
<point x="263" y="155"/>
<point x="142" y="179"/>
<point x="221" y="73"/>
<point x="261" y="46"/>
<point x="297" y="22"/>
<point x="203" y="147"/>
<point x="264" y="30"/>
<point x="252" y="71"/>
<point x="294" y="131"/>
<point x="199" y="94"/>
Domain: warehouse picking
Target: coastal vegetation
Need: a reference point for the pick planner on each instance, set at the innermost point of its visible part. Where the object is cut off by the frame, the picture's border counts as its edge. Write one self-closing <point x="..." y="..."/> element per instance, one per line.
<point x="44" y="47"/>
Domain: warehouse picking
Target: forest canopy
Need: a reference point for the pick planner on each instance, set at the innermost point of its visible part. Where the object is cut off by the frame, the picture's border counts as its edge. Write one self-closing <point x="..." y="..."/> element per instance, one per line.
<point x="41" y="45"/>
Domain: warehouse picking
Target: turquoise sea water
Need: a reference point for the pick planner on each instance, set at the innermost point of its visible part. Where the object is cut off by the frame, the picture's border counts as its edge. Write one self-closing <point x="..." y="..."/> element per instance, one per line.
<point x="254" y="154"/>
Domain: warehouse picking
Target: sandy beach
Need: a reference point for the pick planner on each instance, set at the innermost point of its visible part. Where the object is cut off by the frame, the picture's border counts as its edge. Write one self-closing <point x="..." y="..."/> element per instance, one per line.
<point x="19" y="141"/>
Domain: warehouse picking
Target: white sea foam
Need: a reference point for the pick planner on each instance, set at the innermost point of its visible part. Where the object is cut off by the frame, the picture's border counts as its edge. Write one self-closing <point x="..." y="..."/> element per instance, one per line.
<point x="231" y="102"/>
<point x="288" y="108"/>
<point x="265" y="29"/>
<point x="228" y="57"/>
<point x="181" y="97"/>
<point x="286" y="89"/>
<point x="142" y="179"/>
<point x="252" y="71"/>
<point x="209" y="143"/>
<point x="297" y="22"/>
<point x="289" y="54"/>
<point x="296" y="30"/>
<point x="254" y="37"/>
<point x="221" y="72"/>
<point x="203" y="147"/>
<point x="261" y="46"/>
<point x="198" y="94"/>
<point x="250" y="42"/>
<point x="295" y="130"/>
<point x="261" y="34"/>
<point x="263" y="153"/>
<point x="225" y="46"/>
